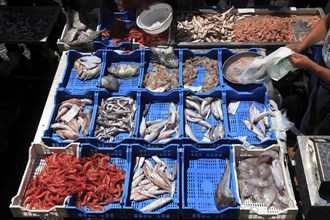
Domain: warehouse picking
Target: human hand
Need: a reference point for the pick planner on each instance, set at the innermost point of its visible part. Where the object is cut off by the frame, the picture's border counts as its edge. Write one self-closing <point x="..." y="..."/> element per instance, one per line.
<point x="295" y="47"/>
<point x="300" y="61"/>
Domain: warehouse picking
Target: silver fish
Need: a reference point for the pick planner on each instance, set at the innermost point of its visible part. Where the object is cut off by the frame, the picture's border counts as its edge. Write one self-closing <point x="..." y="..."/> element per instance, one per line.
<point x="223" y="197"/>
<point x="124" y="71"/>
<point x="278" y="176"/>
<point x="111" y="83"/>
<point x="157" y="204"/>
<point x="190" y="132"/>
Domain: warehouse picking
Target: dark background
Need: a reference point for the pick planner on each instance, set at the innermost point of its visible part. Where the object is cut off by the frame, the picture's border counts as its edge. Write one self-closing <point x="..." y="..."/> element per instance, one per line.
<point x="24" y="87"/>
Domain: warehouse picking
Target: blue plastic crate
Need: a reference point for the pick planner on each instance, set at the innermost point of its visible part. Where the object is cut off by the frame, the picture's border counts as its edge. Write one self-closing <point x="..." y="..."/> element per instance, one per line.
<point x="70" y="81"/>
<point x="113" y="58"/>
<point x="236" y="127"/>
<point x="108" y="20"/>
<point x="50" y="137"/>
<point x="202" y="170"/>
<point x="148" y="68"/>
<point x="120" y="156"/>
<point x="225" y="54"/>
<point x="214" y="54"/>
<point x="120" y="137"/>
<point x="199" y="130"/>
<point x="159" y="108"/>
<point x="168" y="154"/>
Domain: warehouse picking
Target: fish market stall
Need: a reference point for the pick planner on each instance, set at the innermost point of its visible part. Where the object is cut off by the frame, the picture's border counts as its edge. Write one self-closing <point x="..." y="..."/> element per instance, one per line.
<point x="161" y="132"/>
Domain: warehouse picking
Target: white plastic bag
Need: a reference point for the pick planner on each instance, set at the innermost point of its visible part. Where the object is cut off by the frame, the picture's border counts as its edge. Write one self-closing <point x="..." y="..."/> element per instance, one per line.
<point x="277" y="63"/>
<point x="255" y="73"/>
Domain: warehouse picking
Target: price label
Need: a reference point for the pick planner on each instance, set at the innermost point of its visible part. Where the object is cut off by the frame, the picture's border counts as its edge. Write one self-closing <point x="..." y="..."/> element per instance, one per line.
<point x="246" y="10"/>
<point x="71" y="113"/>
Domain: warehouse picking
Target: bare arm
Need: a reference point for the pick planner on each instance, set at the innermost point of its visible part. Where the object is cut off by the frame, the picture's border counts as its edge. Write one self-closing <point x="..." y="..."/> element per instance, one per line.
<point x="303" y="62"/>
<point x="317" y="33"/>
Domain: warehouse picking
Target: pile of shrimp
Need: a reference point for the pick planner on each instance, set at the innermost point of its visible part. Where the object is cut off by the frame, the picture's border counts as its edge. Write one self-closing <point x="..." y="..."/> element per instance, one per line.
<point x="93" y="182"/>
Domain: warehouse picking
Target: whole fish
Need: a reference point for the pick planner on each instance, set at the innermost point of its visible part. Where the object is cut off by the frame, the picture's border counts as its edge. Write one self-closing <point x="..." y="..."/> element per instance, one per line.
<point x="157" y="204"/>
<point x="165" y="56"/>
<point x="124" y="71"/>
<point x="223" y="197"/>
<point x="111" y="83"/>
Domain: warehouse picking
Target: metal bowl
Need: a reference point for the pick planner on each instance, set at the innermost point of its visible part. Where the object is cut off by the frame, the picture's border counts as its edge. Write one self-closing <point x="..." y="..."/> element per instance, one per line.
<point x="229" y="62"/>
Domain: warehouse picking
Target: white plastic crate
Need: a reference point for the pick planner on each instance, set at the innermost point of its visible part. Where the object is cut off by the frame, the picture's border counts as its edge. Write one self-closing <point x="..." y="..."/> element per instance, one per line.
<point x="254" y="210"/>
<point x="36" y="163"/>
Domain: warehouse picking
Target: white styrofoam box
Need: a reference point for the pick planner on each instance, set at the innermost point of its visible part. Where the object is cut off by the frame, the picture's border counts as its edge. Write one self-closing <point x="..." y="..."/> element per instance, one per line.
<point x="254" y="210"/>
<point x="36" y="163"/>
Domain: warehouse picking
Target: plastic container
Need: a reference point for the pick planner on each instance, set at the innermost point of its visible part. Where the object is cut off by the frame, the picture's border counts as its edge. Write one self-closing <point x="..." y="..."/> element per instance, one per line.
<point x="36" y="162"/>
<point x="237" y="129"/>
<point x="199" y="130"/>
<point x="71" y="82"/>
<point x="169" y="154"/>
<point x="156" y="19"/>
<point x="254" y="210"/>
<point x="50" y="137"/>
<point x="202" y="170"/>
<point x="123" y="137"/>
<point x="120" y="156"/>
<point x="113" y="58"/>
<point x="214" y="54"/>
<point x="225" y="54"/>
<point x="159" y="109"/>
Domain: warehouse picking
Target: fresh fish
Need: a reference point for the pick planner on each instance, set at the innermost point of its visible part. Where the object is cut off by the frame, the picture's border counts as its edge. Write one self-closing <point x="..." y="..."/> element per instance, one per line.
<point x="258" y="182"/>
<point x="261" y="136"/>
<point x="223" y="197"/>
<point x="193" y="88"/>
<point x="90" y="59"/>
<point x="206" y="101"/>
<point x="272" y="153"/>
<point x="194" y="98"/>
<point x="157" y="204"/>
<point x="143" y="127"/>
<point x="218" y="104"/>
<point x="111" y="83"/>
<point x="269" y="195"/>
<point x="264" y="170"/>
<point x="165" y="56"/>
<point x="215" y="111"/>
<point x="190" y="132"/>
<point x="278" y="176"/>
<point x="251" y="114"/>
<point x="124" y="71"/>
<point x="193" y="105"/>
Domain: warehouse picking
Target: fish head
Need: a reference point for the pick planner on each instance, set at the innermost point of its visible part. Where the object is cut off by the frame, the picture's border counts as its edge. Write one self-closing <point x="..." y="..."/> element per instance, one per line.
<point x="173" y="62"/>
<point x="223" y="201"/>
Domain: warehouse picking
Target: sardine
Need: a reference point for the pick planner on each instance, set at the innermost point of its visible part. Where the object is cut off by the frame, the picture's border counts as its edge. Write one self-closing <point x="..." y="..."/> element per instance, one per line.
<point x="124" y="71"/>
<point x="223" y="197"/>
<point x="190" y="132"/>
<point x="157" y="204"/>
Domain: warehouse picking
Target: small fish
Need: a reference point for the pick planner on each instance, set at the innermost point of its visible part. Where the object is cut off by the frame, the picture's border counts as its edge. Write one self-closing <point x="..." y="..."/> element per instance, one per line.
<point x="190" y="132"/>
<point x="278" y="176"/>
<point x="223" y="197"/>
<point x="157" y="204"/>
<point x="111" y="83"/>
<point x="124" y="71"/>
